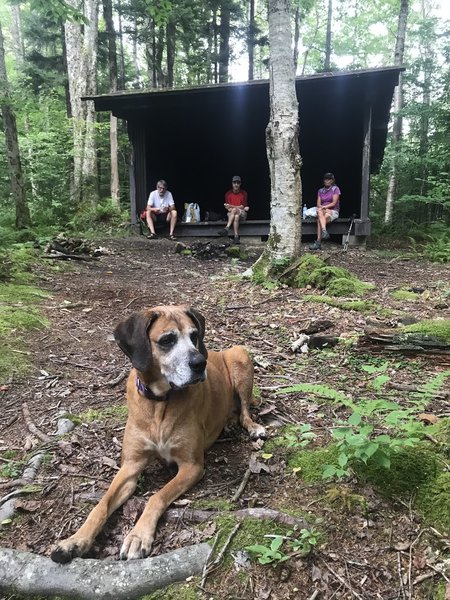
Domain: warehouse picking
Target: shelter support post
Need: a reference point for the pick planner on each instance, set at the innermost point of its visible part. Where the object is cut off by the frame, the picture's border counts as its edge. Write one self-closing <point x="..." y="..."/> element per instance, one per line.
<point x="362" y="225"/>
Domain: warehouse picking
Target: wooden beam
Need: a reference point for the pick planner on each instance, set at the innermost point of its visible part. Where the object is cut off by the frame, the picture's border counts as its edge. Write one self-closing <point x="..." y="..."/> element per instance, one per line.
<point x="365" y="179"/>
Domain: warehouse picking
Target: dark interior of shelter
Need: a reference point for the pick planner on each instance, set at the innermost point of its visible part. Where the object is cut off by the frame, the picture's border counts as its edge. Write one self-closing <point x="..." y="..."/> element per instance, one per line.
<point x="197" y="139"/>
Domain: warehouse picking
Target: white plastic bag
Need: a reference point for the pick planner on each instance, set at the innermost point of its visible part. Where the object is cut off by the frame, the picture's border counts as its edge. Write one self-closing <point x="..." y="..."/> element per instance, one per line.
<point x="311" y="212"/>
<point x="191" y="213"/>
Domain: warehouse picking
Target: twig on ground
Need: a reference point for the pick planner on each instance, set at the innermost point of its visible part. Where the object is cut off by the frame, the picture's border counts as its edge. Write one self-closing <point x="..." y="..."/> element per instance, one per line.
<point x="242" y="486"/>
<point x="342" y="580"/>
<point x="199" y="516"/>
<point x="314" y="595"/>
<point x="400" y="574"/>
<point x="118" y="379"/>
<point x="31" y="426"/>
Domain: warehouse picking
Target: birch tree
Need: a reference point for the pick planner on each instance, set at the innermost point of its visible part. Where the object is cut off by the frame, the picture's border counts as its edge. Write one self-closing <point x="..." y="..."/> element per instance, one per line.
<point x="23" y="218"/>
<point x="81" y="50"/>
<point x="398" y="105"/>
<point x="282" y="143"/>
<point x="112" y="64"/>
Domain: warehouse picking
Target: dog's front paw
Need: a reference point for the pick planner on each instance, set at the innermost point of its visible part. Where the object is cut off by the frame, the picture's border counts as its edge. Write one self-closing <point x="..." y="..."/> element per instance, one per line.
<point x="257" y="432"/>
<point x="136" y="545"/>
<point x="64" y="551"/>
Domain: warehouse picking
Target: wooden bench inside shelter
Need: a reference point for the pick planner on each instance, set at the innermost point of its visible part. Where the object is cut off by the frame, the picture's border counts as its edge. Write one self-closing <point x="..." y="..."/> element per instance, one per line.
<point x="256" y="228"/>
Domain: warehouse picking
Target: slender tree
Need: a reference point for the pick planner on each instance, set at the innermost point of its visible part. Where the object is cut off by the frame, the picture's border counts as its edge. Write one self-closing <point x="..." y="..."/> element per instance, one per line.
<point x="282" y="143"/>
<point x="23" y="218"/>
<point x="327" y="60"/>
<point x="81" y="50"/>
<point x="398" y="105"/>
<point x="112" y="64"/>
<point x="251" y="40"/>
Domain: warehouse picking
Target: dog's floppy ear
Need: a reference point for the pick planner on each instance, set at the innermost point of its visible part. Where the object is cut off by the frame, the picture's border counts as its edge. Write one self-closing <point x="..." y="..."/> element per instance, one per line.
<point x="199" y="321"/>
<point x="132" y="337"/>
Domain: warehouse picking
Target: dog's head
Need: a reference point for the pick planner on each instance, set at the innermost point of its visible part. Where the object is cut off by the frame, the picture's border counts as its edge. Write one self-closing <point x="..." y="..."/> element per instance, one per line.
<point x="167" y="341"/>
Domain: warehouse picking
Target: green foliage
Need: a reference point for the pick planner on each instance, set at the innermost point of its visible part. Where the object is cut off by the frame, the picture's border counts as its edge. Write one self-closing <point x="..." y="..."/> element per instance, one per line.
<point x="357" y="441"/>
<point x="105" y="214"/>
<point x="275" y="554"/>
<point x="298" y="436"/>
<point x="345" y="287"/>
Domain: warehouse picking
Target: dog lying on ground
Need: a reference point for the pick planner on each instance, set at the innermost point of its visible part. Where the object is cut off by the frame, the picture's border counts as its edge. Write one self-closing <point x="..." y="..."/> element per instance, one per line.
<point x="179" y="398"/>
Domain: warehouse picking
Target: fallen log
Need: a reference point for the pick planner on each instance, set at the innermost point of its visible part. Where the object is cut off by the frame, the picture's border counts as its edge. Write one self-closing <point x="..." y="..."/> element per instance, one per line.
<point x="405" y="342"/>
<point x="89" y="579"/>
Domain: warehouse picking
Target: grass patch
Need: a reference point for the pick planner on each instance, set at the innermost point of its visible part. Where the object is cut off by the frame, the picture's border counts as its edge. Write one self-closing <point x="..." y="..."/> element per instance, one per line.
<point x="119" y="412"/>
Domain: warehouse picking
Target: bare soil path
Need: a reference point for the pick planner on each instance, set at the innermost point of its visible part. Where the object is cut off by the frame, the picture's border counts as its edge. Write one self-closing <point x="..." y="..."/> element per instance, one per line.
<point x="78" y="369"/>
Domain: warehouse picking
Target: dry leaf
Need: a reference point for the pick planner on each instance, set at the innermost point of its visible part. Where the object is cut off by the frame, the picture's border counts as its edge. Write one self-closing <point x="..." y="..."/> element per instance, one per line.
<point x="428" y="418"/>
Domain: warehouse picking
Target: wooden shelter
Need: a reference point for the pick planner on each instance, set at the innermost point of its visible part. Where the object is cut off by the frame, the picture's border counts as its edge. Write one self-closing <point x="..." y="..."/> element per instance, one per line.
<point x="197" y="138"/>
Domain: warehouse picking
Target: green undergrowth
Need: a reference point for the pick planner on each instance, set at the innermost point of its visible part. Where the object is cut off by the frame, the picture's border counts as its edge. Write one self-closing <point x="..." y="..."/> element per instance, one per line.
<point x="17" y="317"/>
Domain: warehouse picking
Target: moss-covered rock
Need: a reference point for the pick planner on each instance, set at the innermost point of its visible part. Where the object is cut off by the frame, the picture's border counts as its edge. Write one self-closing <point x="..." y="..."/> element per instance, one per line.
<point x="405" y="295"/>
<point x="433" y="501"/>
<point x="345" y="287"/>
<point x="434" y="328"/>
<point x="323" y="276"/>
<point x="410" y="469"/>
<point x="236" y="252"/>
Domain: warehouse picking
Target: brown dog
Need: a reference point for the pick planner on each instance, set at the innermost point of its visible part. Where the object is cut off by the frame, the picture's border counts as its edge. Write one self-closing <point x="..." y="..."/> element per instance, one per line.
<point x="179" y="400"/>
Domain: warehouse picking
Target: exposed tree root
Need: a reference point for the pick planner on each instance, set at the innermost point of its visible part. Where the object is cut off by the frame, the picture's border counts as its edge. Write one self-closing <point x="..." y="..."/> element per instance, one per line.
<point x="89" y="579"/>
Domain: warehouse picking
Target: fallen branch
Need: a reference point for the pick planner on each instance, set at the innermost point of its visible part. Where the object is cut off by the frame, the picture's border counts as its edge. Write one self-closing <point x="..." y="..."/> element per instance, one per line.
<point x="89" y="579"/>
<point x="31" y="426"/>
<point x="199" y="516"/>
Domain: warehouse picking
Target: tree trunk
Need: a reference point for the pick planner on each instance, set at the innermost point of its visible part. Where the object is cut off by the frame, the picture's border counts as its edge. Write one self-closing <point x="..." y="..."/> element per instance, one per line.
<point x="282" y="144"/>
<point x="398" y="105"/>
<point x="112" y="63"/>
<point x="23" y="218"/>
<point x="121" y="76"/>
<point x="16" y="34"/>
<point x="296" y="36"/>
<point x="251" y="41"/>
<point x="327" y="61"/>
<point x="224" y="48"/>
<point x="170" y="49"/>
<point x="82" y="73"/>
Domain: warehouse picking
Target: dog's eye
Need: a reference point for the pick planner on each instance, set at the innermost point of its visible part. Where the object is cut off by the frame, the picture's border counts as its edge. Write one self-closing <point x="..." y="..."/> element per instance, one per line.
<point x="167" y="340"/>
<point x="194" y="337"/>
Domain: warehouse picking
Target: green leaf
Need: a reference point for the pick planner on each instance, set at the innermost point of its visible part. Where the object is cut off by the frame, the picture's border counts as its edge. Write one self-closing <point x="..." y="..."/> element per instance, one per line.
<point x="354" y="419"/>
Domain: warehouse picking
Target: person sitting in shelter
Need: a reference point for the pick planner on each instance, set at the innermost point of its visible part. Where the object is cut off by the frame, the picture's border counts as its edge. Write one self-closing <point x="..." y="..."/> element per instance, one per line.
<point x="328" y="204"/>
<point x="237" y="207"/>
<point x="161" y="209"/>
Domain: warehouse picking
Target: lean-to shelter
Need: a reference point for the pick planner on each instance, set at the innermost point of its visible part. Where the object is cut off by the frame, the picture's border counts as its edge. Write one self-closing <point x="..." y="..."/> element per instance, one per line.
<point x="197" y="138"/>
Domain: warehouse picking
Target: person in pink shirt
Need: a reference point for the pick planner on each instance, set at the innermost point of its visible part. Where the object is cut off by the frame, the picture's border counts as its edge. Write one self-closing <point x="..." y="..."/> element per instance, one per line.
<point x="328" y="205"/>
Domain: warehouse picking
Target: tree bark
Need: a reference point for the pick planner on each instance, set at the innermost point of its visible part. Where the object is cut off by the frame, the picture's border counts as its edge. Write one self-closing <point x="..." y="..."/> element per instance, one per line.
<point x="327" y="60"/>
<point x="224" y="47"/>
<point x="88" y="579"/>
<point x="81" y="52"/>
<point x="112" y="63"/>
<point x="170" y="50"/>
<point x="251" y="41"/>
<point x="398" y="105"/>
<point x="18" y="193"/>
<point x="282" y="143"/>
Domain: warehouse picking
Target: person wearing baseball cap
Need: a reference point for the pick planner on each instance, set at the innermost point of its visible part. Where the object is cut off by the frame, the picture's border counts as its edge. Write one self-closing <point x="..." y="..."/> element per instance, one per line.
<point x="328" y="204"/>
<point x="237" y="207"/>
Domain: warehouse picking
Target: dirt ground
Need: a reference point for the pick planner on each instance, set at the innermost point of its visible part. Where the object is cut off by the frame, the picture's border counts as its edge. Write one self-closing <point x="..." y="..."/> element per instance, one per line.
<point x="78" y="368"/>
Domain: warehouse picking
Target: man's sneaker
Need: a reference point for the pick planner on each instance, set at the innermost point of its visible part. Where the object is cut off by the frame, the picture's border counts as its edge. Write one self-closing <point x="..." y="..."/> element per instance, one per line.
<point x="325" y="234"/>
<point x="316" y="246"/>
<point x="223" y="232"/>
<point x="236" y="239"/>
